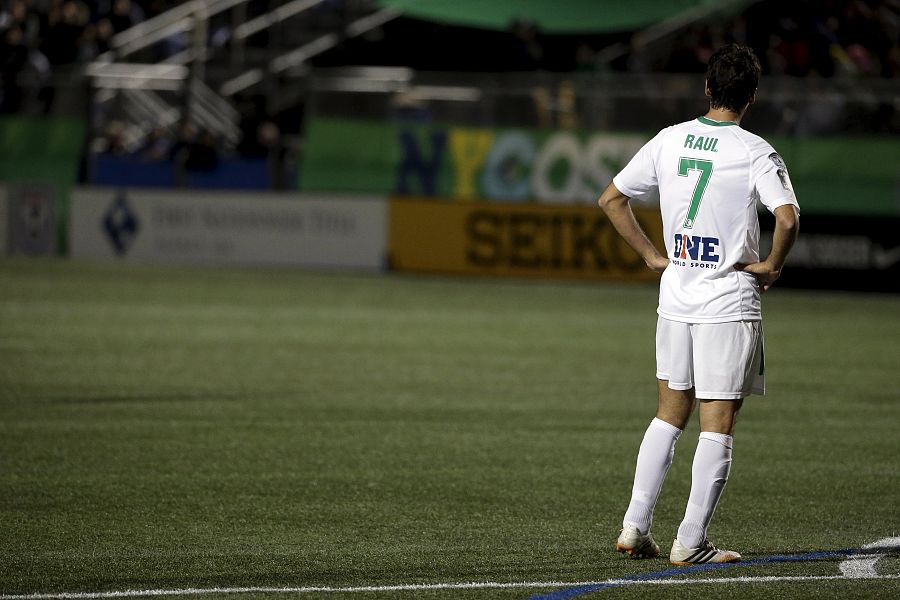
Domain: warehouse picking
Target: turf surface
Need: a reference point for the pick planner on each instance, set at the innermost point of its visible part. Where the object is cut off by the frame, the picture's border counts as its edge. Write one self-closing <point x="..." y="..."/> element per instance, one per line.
<point x="173" y="428"/>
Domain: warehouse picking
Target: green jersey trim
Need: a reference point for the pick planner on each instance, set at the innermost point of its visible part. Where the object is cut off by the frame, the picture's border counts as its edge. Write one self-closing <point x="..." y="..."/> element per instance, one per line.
<point x="706" y="121"/>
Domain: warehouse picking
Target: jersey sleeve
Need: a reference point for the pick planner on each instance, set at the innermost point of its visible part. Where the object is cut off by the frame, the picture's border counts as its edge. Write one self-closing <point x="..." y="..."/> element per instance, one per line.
<point x="638" y="178"/>
<point x="771" y="182"/>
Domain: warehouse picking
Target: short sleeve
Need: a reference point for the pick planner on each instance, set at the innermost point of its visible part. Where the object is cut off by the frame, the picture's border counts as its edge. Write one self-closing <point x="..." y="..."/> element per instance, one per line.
<point x="638" y="178"/>
<point x="772" y="184"/>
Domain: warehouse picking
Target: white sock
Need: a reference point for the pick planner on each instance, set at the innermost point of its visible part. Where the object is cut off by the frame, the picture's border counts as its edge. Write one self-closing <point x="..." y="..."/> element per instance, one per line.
<point x="712" y="463"/>
<point x="654" y="459"/>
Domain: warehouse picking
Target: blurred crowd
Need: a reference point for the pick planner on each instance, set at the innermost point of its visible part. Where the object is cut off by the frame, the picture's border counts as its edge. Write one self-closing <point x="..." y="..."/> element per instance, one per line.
<point x="192" y="147"/>
<point x="70" y="31"/>
<point x="42" y="37"/>
<point x="798" y="38"/>
<point x="827" y="38"/>
<point x="792" y="37"/>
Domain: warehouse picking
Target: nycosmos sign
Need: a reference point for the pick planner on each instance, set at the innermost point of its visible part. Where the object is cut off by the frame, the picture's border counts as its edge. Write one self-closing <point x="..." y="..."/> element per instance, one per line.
<point x="463" y="163"/>
<point x="513" y="165"/>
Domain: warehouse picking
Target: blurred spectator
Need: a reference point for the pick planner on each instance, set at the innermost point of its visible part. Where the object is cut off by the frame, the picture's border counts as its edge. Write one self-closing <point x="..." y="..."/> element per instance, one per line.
<point x="156" y="147"/>
<point x="692" y="50"/>
<point x="184" y="137"/>
<point x="260" y="136"/>
<point x="203" y="153"/>
<point x="113" y="141"/>
<point x="559" y="109"/>
<point x="195" y="150"/>
<point x="102" y="34"/>
<point x="585" y="58"/>
<point x="13" y="58"/>
<point x="123" y="15"/>
<point x="19" y="13"/>
<point x="66" y="24"/>
<point x="408" y="106"/>
<point x="262" y="142"/>
<point x="528" y="54"/>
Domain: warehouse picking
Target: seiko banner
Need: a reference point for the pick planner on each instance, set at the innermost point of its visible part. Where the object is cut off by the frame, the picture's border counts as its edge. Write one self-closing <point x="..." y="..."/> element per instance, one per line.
<point x="841" y="253"/>
<point x="228" y="228"/>
<point x="575" y="242"/>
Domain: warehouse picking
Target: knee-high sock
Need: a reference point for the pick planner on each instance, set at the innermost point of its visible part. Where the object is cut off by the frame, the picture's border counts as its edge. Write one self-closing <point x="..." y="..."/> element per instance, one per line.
<point x="712" y="464"/>
<point x="654" y="459"/>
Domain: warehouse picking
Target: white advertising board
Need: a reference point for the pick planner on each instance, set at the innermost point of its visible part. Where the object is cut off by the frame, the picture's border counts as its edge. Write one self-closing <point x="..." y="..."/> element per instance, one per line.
<point x="228" y="228"/>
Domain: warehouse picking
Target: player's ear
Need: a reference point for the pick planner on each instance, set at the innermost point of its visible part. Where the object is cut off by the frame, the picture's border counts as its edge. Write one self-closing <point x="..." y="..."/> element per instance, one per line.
<point x="752" y="99"/>
<point x="706" y="88"/>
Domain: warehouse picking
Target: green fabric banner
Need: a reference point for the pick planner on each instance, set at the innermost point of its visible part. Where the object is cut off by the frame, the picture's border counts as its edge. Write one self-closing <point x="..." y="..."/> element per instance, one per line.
<point x="45" y="150"/>
<point x="551" y="16"/>
<point x="857" y="176"/>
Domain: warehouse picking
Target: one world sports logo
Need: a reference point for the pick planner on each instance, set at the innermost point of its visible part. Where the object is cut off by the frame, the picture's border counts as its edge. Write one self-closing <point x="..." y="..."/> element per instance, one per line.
<point x="696" y="251"/>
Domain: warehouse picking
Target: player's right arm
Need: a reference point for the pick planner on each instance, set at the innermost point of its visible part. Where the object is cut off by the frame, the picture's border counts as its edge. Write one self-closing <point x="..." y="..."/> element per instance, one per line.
<point x="787" y="226"/>
<point x="773" y="186"/>
<point x="618" y="209"/>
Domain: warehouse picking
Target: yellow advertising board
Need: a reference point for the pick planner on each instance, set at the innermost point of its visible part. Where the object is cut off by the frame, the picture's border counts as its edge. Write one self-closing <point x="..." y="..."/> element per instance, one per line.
<point x="518" y="240"/>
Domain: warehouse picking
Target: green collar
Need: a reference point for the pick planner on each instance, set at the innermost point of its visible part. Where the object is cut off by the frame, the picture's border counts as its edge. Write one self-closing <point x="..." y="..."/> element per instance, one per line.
<point x="715" y="123"/>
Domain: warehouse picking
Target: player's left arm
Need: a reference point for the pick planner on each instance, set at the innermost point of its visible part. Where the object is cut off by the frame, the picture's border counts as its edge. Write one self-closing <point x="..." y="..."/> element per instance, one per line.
<point x="617" y="207"/>
<point x="787" y="227"/>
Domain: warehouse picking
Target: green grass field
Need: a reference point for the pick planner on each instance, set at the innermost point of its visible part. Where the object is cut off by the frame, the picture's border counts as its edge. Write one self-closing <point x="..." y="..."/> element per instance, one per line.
<point x="202" y="428"/>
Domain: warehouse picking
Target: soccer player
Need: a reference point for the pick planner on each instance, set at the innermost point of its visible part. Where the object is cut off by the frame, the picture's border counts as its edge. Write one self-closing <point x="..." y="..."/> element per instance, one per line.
<point x="710" y="173"/>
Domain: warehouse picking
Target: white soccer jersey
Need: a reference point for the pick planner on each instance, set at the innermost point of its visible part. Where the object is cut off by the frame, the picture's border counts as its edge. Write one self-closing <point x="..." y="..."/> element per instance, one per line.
<point x="709" y="175"/>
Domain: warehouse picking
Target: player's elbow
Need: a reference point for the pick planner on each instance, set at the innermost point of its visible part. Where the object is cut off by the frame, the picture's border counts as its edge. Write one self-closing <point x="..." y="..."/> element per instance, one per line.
<point x="787" y="219"/>
<point x="611" y="197"/>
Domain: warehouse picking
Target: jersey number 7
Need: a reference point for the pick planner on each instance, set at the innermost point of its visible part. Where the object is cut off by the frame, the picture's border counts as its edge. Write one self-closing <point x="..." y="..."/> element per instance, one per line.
<point x="685" y="165"/>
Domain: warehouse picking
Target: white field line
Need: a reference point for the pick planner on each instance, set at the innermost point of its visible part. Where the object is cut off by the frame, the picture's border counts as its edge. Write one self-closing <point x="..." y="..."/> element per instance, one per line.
<point x="413" y="587"/>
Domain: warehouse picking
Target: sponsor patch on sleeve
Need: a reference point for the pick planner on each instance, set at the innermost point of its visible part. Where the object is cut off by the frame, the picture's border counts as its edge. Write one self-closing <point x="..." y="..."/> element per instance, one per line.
<point x="781" y="169"/>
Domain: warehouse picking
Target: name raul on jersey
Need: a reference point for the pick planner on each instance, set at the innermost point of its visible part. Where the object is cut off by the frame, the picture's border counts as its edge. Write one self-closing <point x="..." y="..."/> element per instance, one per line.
<point x="696" y="251"/>
<point x="699" y="142"/>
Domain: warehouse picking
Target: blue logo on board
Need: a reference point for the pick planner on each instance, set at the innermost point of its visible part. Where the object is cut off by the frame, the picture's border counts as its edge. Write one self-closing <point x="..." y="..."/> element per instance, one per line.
<point x="121" y="224"/>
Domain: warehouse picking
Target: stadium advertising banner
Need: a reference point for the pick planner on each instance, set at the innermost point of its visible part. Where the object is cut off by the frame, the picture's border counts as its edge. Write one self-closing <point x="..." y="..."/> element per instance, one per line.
<point x="527" y="240"/>
<point x="841" y="253"/>
<point x="510" y="165"/>
<point x="228" y="228"/>
<point x="830" y="175"/>
<point x="28" y="219"/>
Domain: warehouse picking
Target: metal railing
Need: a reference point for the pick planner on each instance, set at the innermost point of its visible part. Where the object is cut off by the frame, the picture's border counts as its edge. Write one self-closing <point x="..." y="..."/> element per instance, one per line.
<point x="178" y="87"/>
<point x="603" y="101"/>
<point x="301" y="55"/>
<point x="179" y="19"/>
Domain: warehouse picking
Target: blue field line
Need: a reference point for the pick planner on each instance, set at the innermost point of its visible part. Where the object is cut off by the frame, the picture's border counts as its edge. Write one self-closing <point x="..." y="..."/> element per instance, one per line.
<point x="675" y="571"/>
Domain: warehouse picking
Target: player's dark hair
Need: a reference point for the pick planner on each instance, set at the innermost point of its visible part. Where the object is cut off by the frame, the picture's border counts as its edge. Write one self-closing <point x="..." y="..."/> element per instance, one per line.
<point x="732" y="76"/>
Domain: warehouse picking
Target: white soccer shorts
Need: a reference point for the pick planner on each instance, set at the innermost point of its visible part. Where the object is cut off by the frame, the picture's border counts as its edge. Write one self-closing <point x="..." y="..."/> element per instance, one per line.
<point x="723" y="361"/>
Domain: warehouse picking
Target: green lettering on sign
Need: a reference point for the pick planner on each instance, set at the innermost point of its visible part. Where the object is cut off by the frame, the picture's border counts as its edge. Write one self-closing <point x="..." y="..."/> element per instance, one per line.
<point x="685" y="166"/>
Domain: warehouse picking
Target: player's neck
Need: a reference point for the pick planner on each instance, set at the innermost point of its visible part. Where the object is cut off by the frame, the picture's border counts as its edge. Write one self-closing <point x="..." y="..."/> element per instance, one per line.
<point x="724" y="115"/>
